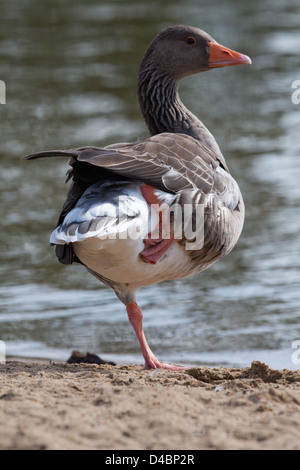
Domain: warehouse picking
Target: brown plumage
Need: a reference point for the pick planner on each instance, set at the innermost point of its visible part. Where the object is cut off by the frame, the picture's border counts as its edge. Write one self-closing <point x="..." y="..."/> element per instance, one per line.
<point x="179" y="165"/>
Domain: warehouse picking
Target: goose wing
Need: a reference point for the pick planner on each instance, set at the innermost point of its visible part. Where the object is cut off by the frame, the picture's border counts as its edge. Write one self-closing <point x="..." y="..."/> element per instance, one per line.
<point x="174" y="163"/>
<point x="170" y="162"/>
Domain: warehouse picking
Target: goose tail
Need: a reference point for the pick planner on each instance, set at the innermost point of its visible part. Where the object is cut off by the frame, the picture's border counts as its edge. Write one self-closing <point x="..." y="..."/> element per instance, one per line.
<point x="51" y="153"/>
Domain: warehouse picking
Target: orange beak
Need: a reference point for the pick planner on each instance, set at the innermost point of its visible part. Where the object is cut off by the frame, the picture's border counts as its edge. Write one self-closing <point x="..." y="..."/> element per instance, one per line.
<point x="221" y="56"/>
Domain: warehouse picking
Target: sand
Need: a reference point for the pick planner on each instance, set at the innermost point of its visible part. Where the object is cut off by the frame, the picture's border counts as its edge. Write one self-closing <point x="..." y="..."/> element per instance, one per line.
<point x="46" y="405"/>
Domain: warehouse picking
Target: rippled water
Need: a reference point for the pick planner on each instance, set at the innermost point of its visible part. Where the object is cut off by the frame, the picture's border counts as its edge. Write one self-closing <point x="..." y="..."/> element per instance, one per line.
<point x="70" y="72"/>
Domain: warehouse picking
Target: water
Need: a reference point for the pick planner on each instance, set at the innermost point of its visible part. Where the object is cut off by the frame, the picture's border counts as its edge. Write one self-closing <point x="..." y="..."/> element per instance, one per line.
<point x="70" y="71"/>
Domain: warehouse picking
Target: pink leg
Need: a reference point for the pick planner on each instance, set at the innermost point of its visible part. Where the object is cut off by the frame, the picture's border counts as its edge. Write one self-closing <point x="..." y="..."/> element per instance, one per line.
<point x="135" y="316"/>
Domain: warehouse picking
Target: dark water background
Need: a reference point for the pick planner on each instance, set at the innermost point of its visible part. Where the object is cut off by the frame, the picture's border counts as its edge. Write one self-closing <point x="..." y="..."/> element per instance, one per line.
<point x="70" y="72"/>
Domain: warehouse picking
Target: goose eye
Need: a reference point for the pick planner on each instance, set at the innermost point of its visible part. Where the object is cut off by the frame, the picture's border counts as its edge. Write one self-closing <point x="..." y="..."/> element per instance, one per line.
<point x="190" y="41"/>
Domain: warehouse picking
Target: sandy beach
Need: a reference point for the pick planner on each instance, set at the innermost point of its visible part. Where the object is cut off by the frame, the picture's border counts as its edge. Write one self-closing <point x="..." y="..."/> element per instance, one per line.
<point x="46" y="405"/>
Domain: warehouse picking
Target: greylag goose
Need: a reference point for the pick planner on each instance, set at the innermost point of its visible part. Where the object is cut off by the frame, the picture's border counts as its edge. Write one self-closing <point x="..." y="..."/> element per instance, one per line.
<point x="114" y="218"/>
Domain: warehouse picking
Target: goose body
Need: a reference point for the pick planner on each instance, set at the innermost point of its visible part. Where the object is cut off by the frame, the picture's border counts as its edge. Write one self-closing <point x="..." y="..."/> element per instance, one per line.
<point x="129" y="204"/>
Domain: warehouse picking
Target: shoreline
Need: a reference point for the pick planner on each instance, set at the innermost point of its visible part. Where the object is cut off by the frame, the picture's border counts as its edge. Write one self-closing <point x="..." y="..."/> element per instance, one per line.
<point x="55" y="405"/>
